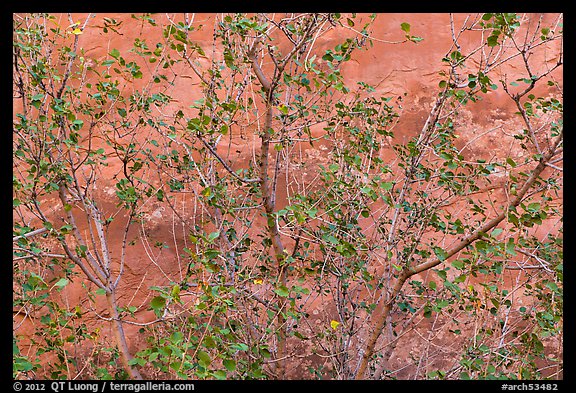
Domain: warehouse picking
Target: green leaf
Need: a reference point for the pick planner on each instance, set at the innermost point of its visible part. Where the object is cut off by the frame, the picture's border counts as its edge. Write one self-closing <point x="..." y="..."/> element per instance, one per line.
<point x="133" y="362"/>
<point x="458" y="264"/>
<point x="386" y="185"/>
<point x="62" y="282"/>
<point x="496" y="232"/>
<point x="175" y="290"/>
<point x="492" y="40"/>
<point x="158" y="303"/>
<point x="213" y="236"/>
<point x="115" y="53"/>
<point x="405" y="27"/>
<point x="159" y="193"/>
<point x="77" y="124"/>
<point x="441" y="274"/>
<point x="203" y="358"/>
<point x="510" y="246"/>
<point x="229" y="364"/>
<point x="239" y="346"/>
<point x="100" y="291"/>
<point x="311" y="212"/>
<point x="442" y="303"/>
<point x="207" y="191"/>
<point x="332" y="239"/>
<point x="440" y="253"/>
<point x="153" y="356"/>
<point x="552" y="286"/>
<point x="366" y="190"/>
<point x="22" y="364"/>
<point x="177" y="337"/>
<point x="282" y="291"/>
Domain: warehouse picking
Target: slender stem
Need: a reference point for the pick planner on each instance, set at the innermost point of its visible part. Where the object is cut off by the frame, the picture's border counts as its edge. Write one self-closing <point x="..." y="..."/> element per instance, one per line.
<point x="224" y="164"/>
<point x="30" y="234"/>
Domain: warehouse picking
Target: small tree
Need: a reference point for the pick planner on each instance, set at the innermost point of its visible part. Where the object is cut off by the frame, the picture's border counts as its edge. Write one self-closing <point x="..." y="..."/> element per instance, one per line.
<point x="379" y="230"/>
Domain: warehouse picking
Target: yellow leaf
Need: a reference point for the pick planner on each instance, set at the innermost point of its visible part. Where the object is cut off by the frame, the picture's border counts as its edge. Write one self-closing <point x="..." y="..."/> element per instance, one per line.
<point x="334" y="324"/>
<point x="258" y="281"/>
<point x="283" y="108"/>
<point x="77" y="31"/>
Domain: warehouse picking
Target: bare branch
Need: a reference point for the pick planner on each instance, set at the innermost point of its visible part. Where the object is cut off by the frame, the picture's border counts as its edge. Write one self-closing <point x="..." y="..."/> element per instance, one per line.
<point x="224" y="164"/>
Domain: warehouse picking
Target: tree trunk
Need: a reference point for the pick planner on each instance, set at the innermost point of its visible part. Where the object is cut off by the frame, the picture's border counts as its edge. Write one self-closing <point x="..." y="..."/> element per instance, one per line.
<point x="121" y="337"/>
<point x="408" y="272"/>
